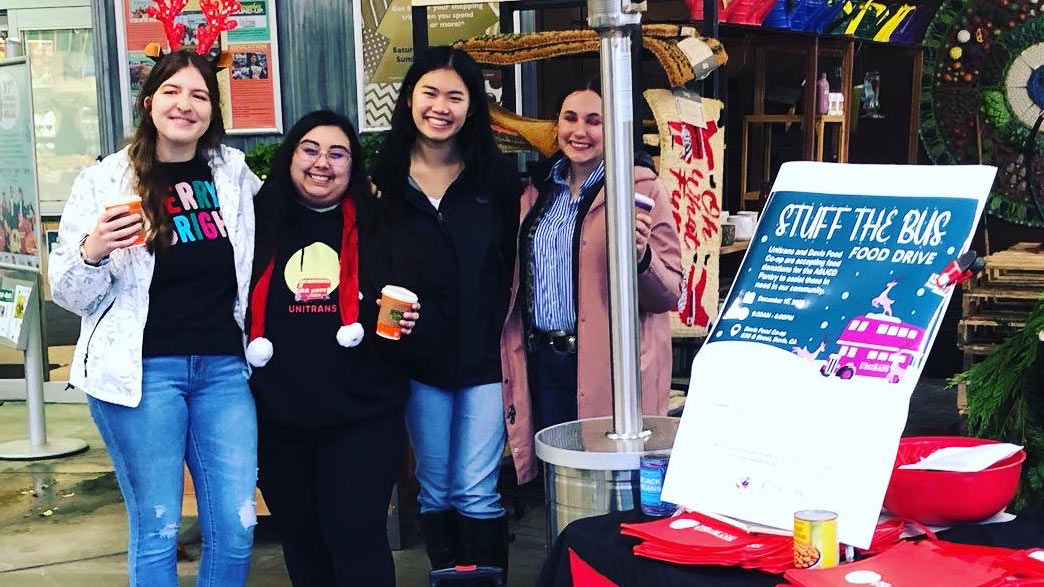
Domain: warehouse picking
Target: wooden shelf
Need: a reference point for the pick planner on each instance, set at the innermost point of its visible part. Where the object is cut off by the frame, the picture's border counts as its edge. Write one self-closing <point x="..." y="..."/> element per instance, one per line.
<point x="813" y="125"/>
<point x="773" y="119"/>
<point x="735" y="247"/>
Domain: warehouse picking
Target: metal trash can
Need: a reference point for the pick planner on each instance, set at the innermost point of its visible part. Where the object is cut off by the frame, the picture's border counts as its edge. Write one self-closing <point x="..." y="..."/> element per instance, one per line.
<point x="587" y="474"/>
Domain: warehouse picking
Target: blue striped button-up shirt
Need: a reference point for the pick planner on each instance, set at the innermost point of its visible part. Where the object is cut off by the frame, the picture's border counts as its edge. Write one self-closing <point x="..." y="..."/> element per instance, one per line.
<point x="554" y="303"/>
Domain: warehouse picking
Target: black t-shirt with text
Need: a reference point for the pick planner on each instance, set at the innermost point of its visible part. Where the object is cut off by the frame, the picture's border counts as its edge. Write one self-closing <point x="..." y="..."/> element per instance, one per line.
<point x="193" y="290"/>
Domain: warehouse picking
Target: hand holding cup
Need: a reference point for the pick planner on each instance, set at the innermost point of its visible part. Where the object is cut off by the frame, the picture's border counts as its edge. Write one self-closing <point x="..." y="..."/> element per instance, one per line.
<point x="409" y="318"/>
<point x="399" y="312"/>
<point x="120" y="226"/>
<point x="643" y="206"/>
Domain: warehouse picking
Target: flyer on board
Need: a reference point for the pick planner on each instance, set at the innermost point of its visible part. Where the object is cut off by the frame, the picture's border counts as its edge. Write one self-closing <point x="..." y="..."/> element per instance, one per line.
<point x="799" y="396"/>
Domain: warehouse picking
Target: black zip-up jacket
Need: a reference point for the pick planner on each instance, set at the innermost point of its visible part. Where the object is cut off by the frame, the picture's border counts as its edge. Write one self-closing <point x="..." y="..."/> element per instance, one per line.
<point x="468" y="248"/>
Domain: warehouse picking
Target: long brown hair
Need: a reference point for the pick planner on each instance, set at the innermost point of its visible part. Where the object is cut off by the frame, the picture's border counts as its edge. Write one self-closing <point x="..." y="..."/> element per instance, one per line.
<point x="152" y="186"/>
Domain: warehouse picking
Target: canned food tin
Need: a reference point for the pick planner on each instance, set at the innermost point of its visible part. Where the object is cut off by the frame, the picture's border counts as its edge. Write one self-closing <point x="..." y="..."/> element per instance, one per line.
<point x="652" y="470"/>
<point x="815" y="539"/>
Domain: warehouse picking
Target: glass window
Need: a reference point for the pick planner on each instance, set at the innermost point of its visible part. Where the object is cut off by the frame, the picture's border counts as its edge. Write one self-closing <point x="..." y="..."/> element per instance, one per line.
<point x="853" y="325"/>
<point x="882" y="328"/>
<point x="872" y="355"/>
<point x="851" y="352"/>
<point x="912" y="335"/>
<point x="65" y="105"/>
<point x="863" y="325"/>
<point x="903" y="332"/>
<point x="893" y="330"/>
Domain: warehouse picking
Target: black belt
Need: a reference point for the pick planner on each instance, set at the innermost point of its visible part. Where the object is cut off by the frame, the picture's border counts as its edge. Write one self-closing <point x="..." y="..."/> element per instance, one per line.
<point x="559" y="341"/>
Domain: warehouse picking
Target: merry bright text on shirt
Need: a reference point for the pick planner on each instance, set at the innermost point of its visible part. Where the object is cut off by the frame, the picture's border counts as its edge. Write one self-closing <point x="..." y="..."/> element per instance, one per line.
<point x="195" y="211"/>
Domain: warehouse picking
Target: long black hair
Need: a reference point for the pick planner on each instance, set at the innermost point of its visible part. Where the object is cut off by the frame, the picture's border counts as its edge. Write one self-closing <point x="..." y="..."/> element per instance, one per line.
<point x="378" y="245"/>
<point x="475" y="139"/>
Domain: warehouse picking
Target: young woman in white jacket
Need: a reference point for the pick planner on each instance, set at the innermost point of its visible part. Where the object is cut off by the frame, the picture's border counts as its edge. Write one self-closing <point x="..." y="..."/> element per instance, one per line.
<point x="160" y="352"/>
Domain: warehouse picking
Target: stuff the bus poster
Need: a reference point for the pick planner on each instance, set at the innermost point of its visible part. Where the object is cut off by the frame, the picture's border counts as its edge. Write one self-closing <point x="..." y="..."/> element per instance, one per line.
<point x="837" y="306"/>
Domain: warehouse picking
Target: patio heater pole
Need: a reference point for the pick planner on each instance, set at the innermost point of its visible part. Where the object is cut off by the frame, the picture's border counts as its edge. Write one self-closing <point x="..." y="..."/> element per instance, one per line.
<point x="613" y="20"/>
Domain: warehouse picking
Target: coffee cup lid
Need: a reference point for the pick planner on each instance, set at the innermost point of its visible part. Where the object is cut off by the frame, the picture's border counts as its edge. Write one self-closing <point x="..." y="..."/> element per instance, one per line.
<point x="124" y="201"/>
<point x="399" y="293"/>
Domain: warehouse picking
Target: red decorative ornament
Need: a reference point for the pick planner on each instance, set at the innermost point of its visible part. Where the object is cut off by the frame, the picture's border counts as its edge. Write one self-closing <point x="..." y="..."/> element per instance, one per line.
<point x="165" y="11"/>
<point x="217" y="13"/>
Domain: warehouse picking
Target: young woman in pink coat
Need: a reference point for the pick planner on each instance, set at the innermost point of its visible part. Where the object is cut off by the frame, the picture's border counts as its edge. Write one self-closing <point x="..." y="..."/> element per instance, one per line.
<point x="555" y="344"/>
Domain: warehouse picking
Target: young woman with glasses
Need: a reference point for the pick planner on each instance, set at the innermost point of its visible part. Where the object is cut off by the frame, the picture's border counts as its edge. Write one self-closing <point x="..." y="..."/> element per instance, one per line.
<point x="330" y="392"/>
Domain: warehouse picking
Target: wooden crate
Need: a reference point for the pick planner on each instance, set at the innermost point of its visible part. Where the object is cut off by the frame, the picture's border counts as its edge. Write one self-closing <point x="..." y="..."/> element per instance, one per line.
<point x="1021" y="265"/>
<point x="973" y="353"/>
<point x="997" y="306"/>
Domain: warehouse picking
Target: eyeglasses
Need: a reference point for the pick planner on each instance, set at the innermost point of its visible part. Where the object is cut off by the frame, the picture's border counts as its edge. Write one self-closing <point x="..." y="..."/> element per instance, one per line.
<point x="336" y="156"/>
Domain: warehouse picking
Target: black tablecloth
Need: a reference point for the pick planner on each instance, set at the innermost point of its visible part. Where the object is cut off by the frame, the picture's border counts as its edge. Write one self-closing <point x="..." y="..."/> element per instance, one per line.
<point x="599" y="542"/>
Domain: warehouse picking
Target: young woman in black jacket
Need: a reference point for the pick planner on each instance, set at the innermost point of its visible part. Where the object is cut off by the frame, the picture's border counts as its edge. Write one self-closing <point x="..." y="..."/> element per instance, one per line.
<point x="459" y="197"/>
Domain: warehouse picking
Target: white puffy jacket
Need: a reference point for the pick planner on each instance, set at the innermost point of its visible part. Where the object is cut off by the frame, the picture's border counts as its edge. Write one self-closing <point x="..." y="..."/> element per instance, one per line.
<point x="113" y="300"/>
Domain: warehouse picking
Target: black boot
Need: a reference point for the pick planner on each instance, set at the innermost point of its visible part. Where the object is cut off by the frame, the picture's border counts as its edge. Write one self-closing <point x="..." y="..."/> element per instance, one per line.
<point x="439" y="530"/>
<point x="484" y="542"/>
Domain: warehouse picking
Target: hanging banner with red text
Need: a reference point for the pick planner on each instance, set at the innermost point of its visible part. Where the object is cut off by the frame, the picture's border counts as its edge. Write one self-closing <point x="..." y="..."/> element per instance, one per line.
<point x="692" y="149"/>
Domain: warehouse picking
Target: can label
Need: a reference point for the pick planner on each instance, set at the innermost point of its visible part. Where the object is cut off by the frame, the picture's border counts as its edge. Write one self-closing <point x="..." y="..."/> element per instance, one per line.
<point x="651" y="473"/>
<point x="815" y="539"/>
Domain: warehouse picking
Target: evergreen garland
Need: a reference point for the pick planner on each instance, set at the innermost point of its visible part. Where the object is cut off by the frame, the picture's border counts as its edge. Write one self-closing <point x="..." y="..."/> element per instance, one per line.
<point x="1004" y="402"/>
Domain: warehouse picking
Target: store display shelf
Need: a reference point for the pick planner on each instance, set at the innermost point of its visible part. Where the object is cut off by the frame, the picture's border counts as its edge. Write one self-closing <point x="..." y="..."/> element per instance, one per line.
<point x="735" y="247"/>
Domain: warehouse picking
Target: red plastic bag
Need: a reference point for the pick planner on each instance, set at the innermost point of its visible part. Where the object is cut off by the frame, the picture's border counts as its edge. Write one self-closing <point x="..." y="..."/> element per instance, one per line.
<point x="927" y="563"/>
<point x="695" y="539"/>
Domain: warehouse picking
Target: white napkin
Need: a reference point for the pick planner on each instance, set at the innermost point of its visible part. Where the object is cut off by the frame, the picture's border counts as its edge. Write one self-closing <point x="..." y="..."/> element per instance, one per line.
<point x="965" y="459"/>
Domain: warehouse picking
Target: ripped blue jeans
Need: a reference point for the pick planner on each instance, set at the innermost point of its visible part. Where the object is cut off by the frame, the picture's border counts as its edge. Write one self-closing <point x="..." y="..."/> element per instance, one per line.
<point x="199" y="410"/>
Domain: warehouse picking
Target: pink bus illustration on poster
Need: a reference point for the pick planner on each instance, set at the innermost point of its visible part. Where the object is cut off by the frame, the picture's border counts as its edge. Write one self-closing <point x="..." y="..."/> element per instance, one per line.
<point x="875" y="345"/>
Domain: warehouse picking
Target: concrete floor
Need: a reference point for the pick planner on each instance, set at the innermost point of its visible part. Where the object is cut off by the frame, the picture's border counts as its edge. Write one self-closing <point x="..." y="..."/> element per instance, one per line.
<point x="62" y="521"/>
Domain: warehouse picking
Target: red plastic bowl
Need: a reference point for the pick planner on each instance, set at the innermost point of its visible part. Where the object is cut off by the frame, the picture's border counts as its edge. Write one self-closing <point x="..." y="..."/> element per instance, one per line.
<point x="945" y="498"/>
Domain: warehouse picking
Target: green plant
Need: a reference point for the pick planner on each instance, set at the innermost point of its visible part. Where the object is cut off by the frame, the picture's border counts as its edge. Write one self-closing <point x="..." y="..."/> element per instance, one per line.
<point x="259" y="159"/>
<point x="371" y="145"/>
<point x="1004" y="402"/>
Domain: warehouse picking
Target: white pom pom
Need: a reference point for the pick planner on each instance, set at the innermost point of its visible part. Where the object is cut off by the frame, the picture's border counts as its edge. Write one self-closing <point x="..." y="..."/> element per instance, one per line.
<point x="259" y="352"/>
<point x="350" y="335"/>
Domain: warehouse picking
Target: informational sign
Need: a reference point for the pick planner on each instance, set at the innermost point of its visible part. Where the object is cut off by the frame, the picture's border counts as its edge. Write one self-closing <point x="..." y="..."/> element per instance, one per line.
<point x="18" y="306"/>
<point x="384" y="38"/>
<point x="799" y="396"/>
<point x="250" y="90"/>
<point x="19" y="199"/>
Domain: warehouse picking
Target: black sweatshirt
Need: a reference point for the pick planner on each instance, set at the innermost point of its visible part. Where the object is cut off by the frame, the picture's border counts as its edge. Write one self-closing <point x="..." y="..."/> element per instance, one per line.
<point x="311" y="380"/>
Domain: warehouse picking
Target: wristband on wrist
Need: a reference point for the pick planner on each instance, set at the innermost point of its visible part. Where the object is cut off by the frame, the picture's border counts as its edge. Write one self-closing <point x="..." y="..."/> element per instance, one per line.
<point x="83" y="254"/>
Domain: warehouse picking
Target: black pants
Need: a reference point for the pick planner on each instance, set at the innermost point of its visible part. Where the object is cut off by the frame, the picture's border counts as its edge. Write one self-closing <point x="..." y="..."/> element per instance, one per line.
<point x="552" y="386"/>
<point x="328" y="491"/>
